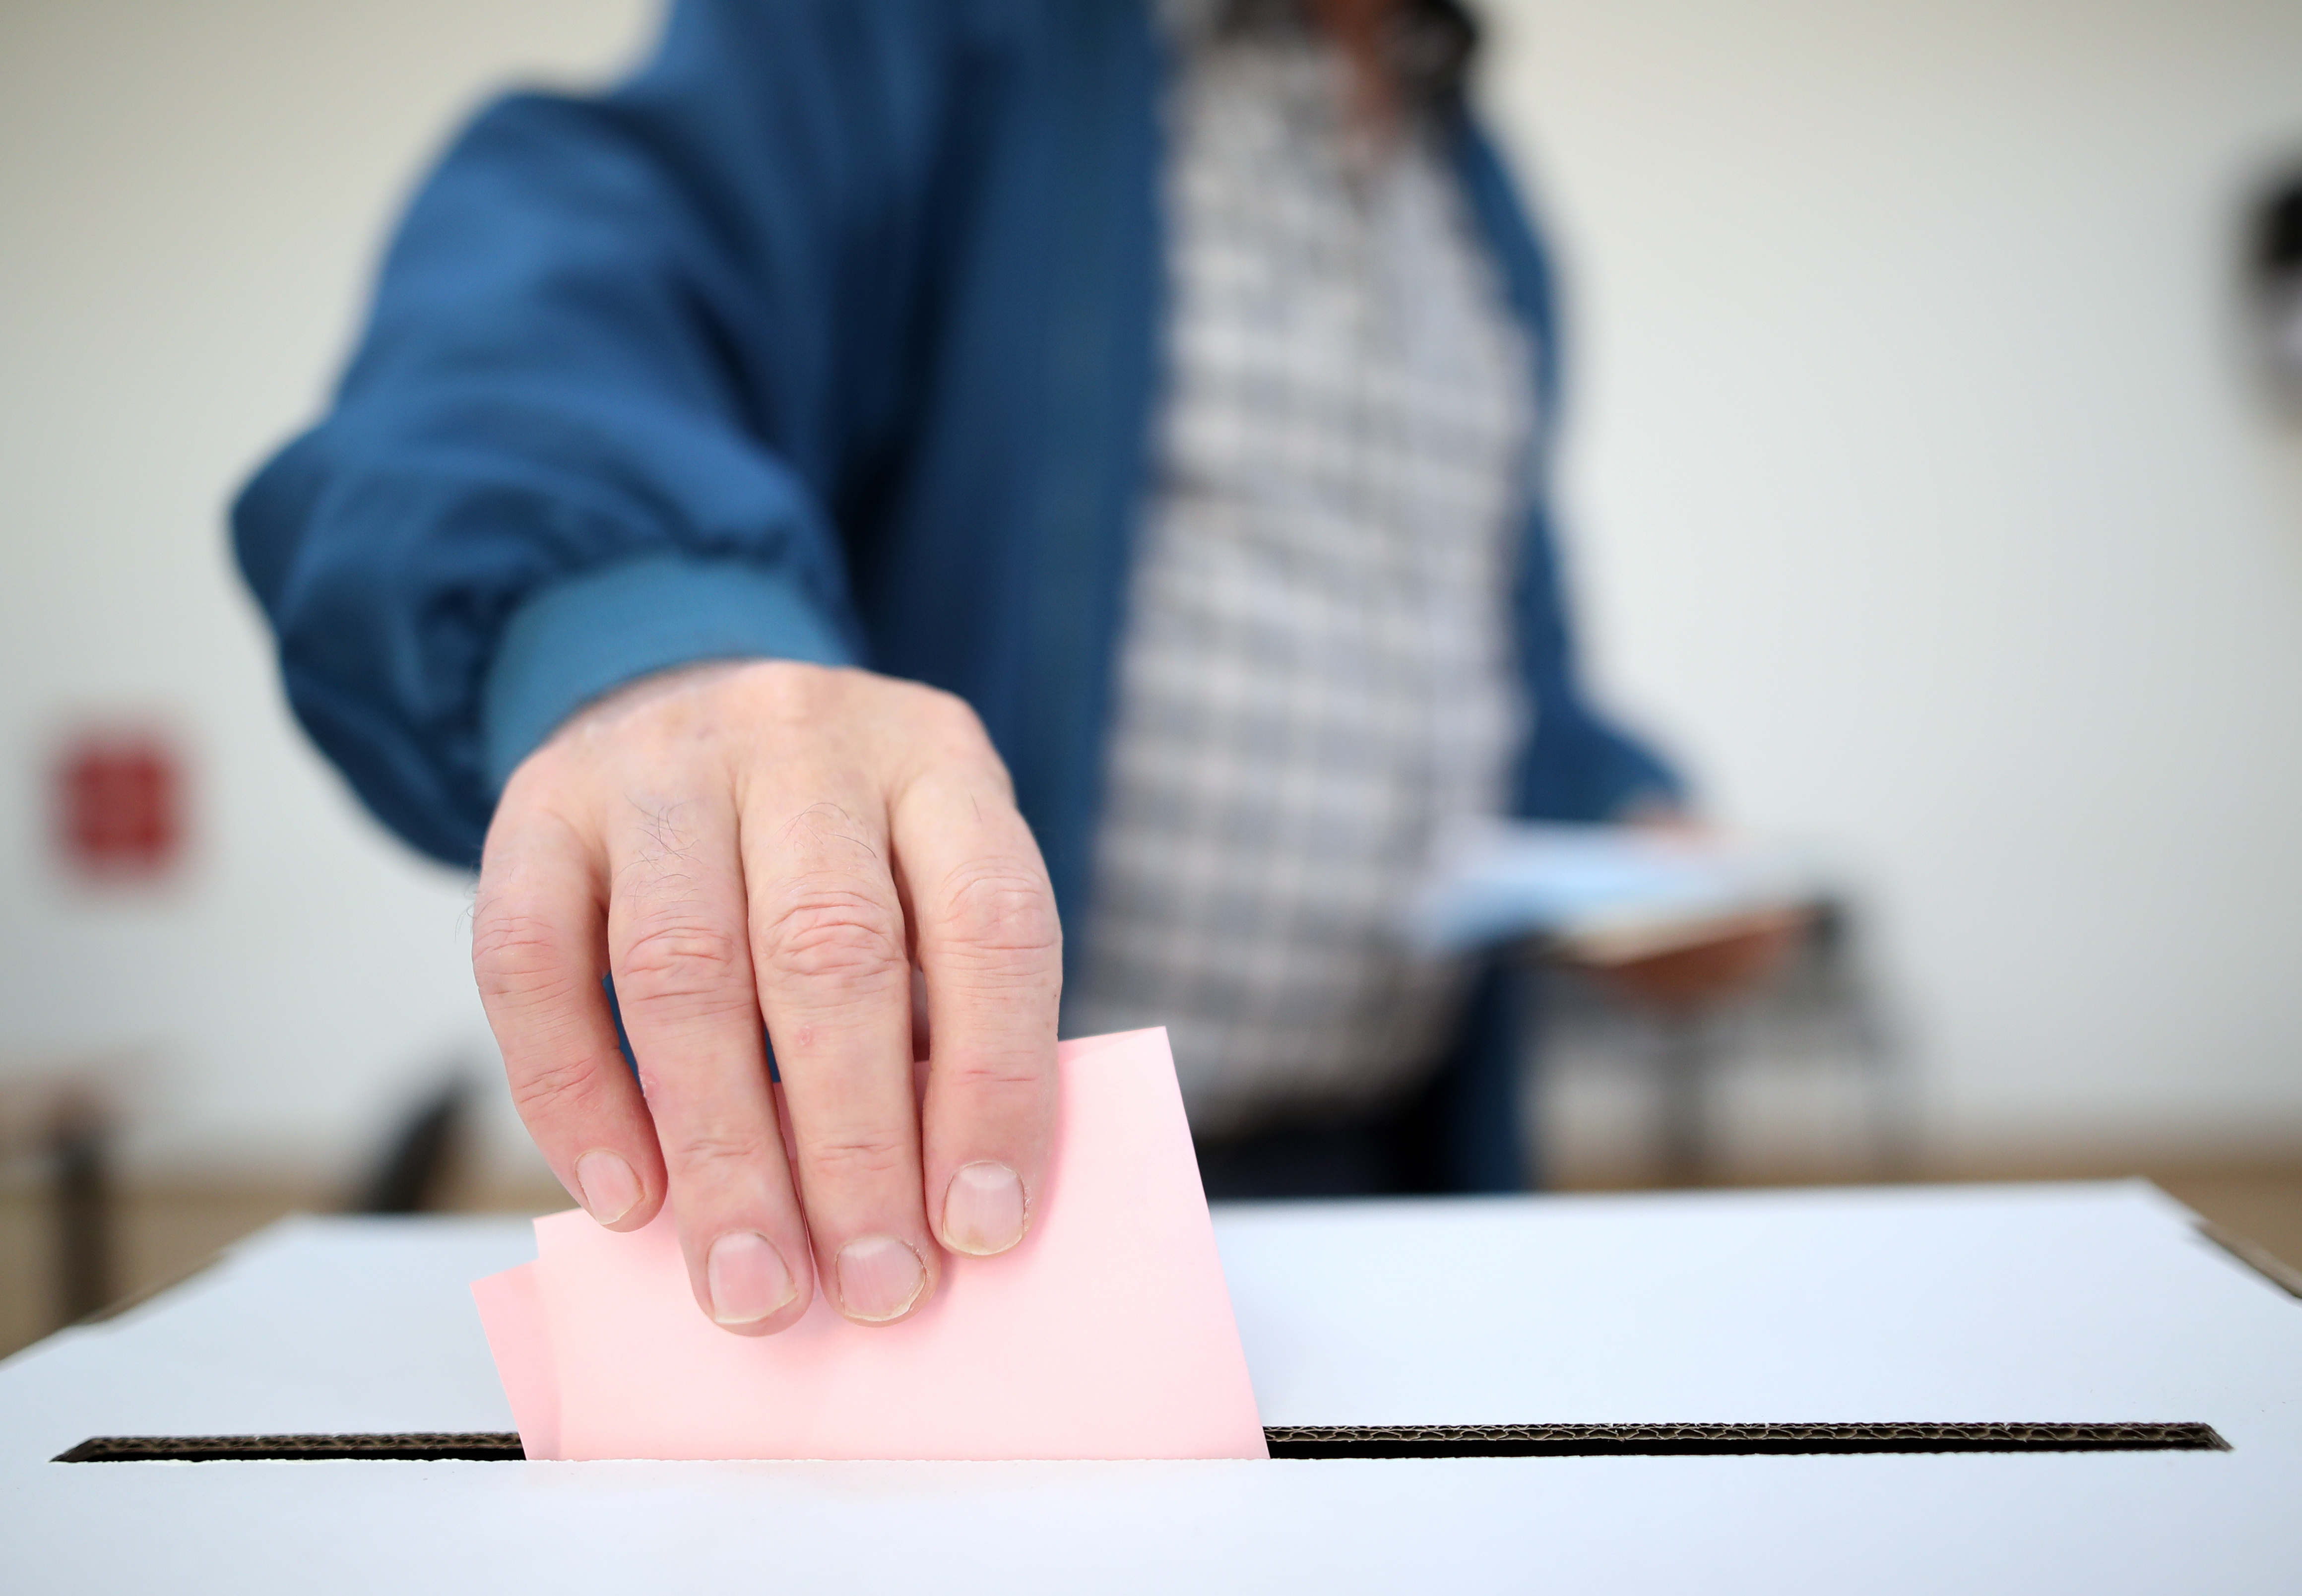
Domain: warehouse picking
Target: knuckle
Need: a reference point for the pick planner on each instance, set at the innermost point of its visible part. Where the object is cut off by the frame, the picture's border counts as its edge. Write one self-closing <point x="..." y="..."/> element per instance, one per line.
<point x="950" y="714"/>
<point x="999" y="908"/>
<point x="836" y="934"/>
<point x="860" y="1156"/>
<point x="522" y="959"/>
<point x="678" y="959"/>
<point x="827" y="833"/>
<point x="555" y="1089"/>
<point x="525" y="789"/>
<point x="1008" y="1093"/>
<point x="705" y="1149"/>
<point x="791" y="692"/>
<point x="947" y="749"/>
<point x="949" y="727"/>
<point x="994" y="1077"/>
<point x="671" y="834"/>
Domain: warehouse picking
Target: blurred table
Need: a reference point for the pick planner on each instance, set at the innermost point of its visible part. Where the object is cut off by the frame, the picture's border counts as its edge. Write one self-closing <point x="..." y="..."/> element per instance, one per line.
<point x="2048" y="1305"/>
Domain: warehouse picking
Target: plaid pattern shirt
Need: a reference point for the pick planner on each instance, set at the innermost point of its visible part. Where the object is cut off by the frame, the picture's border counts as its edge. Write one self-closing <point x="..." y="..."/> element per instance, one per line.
<point x="1316" y="673"/>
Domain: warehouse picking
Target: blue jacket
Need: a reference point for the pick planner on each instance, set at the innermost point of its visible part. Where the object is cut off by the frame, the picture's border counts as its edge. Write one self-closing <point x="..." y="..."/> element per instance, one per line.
<point x="833" y="333"/>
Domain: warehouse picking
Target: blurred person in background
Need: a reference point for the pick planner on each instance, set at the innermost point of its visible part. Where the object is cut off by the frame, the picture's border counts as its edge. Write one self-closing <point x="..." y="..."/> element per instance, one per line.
<point x="899" y="481"/>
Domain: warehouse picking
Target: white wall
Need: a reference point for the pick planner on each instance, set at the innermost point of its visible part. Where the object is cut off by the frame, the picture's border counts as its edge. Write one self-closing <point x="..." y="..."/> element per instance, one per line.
<point x="192" y="197"/>
<point x="1924" y="504"/>
<point x="1919" y="500"/>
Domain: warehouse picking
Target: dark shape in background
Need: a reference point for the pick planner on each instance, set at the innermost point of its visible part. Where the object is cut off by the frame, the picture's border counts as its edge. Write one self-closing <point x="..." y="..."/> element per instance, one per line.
<point x="419" y="1163"/>
<point x="2274" y="273"/>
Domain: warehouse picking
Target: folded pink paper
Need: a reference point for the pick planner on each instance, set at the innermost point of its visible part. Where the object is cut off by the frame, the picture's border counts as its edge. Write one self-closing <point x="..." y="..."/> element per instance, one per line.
<point x="1107" y="1333"/>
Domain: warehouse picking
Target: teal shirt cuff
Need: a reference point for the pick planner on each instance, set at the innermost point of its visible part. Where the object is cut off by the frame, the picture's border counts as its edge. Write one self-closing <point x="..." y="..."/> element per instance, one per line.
<point x="578" y="639"/>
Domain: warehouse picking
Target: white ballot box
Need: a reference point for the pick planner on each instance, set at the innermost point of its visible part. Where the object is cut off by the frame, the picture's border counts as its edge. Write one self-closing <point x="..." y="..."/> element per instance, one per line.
<point x="1703" y="1383"/>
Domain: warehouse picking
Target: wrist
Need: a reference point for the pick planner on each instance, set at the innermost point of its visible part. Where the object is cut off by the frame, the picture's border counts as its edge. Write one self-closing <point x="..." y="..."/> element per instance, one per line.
<point x="577" y="641"/>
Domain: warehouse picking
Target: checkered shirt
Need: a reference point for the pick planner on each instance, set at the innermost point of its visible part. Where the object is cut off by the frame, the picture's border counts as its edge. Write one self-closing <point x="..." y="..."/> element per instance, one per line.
<point x="1317" y="669"/>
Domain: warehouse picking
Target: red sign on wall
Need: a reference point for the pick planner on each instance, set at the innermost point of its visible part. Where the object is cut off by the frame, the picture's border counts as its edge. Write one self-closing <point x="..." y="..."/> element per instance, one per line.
<point x="120" y="805"/>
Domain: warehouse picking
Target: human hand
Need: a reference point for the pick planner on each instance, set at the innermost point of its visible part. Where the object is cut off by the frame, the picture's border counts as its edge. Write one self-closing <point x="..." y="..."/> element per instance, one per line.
<point x="1715" y="961"/>
<point x="779" y="839"/>
<point x="1706" y="963"/>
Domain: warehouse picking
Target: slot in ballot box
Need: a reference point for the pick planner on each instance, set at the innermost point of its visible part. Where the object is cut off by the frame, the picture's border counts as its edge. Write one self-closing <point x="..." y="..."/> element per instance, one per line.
<point x="2066" y="1388"/>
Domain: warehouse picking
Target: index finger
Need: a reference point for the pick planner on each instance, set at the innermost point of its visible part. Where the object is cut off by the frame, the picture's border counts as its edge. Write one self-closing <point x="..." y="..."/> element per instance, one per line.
<point x="988" y="941"/>
<point x="538" y="945"/>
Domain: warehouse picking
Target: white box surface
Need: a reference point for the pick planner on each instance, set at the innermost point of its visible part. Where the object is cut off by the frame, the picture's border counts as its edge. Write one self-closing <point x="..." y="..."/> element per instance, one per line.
<point x="2038" y="1304"/>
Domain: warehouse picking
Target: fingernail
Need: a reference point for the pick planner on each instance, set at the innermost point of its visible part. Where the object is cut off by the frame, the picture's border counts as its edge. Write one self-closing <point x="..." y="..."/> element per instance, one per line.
<point x="983" y="1210"/>
<point x="747" y="1278"/>
<point x="610" y="1189"/>
<point x="879" y="1279"/>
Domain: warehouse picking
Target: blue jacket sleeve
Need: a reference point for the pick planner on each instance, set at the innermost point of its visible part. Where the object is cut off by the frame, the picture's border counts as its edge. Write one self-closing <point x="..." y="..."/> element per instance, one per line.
<point x="627" y="355"/>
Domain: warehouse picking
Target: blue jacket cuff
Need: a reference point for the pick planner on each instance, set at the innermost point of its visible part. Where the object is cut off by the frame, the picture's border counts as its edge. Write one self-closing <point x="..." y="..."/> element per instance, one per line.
<point x="578" y="639"/>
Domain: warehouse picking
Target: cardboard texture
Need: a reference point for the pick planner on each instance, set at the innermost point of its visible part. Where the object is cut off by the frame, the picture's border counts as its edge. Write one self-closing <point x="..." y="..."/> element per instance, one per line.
<point x="1107" y="1333"/>
<point x="1362" y="1442"/>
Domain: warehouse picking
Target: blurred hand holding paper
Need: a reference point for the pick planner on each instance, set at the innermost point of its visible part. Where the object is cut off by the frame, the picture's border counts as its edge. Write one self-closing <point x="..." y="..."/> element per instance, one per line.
<point x="1602" y="893"/>
<point x="1107" y="1333"/>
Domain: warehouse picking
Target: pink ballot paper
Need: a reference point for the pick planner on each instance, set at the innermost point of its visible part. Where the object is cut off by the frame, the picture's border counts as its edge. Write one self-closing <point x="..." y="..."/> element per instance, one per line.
<point x="1107" y="1333"/>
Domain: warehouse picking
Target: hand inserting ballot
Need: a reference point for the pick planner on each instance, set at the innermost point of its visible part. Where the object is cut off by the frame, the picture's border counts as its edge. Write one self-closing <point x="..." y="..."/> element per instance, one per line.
<point x="779" y="839"/>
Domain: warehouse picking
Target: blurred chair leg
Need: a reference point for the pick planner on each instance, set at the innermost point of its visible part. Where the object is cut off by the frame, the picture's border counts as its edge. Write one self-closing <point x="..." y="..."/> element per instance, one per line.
<point x="83" y="1210"/>
<point x="1684" y="1053"/>
<point x="1849" y="989"/>
<point x="1878" y="1049"/>
<point x="1894" y="1104"/>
